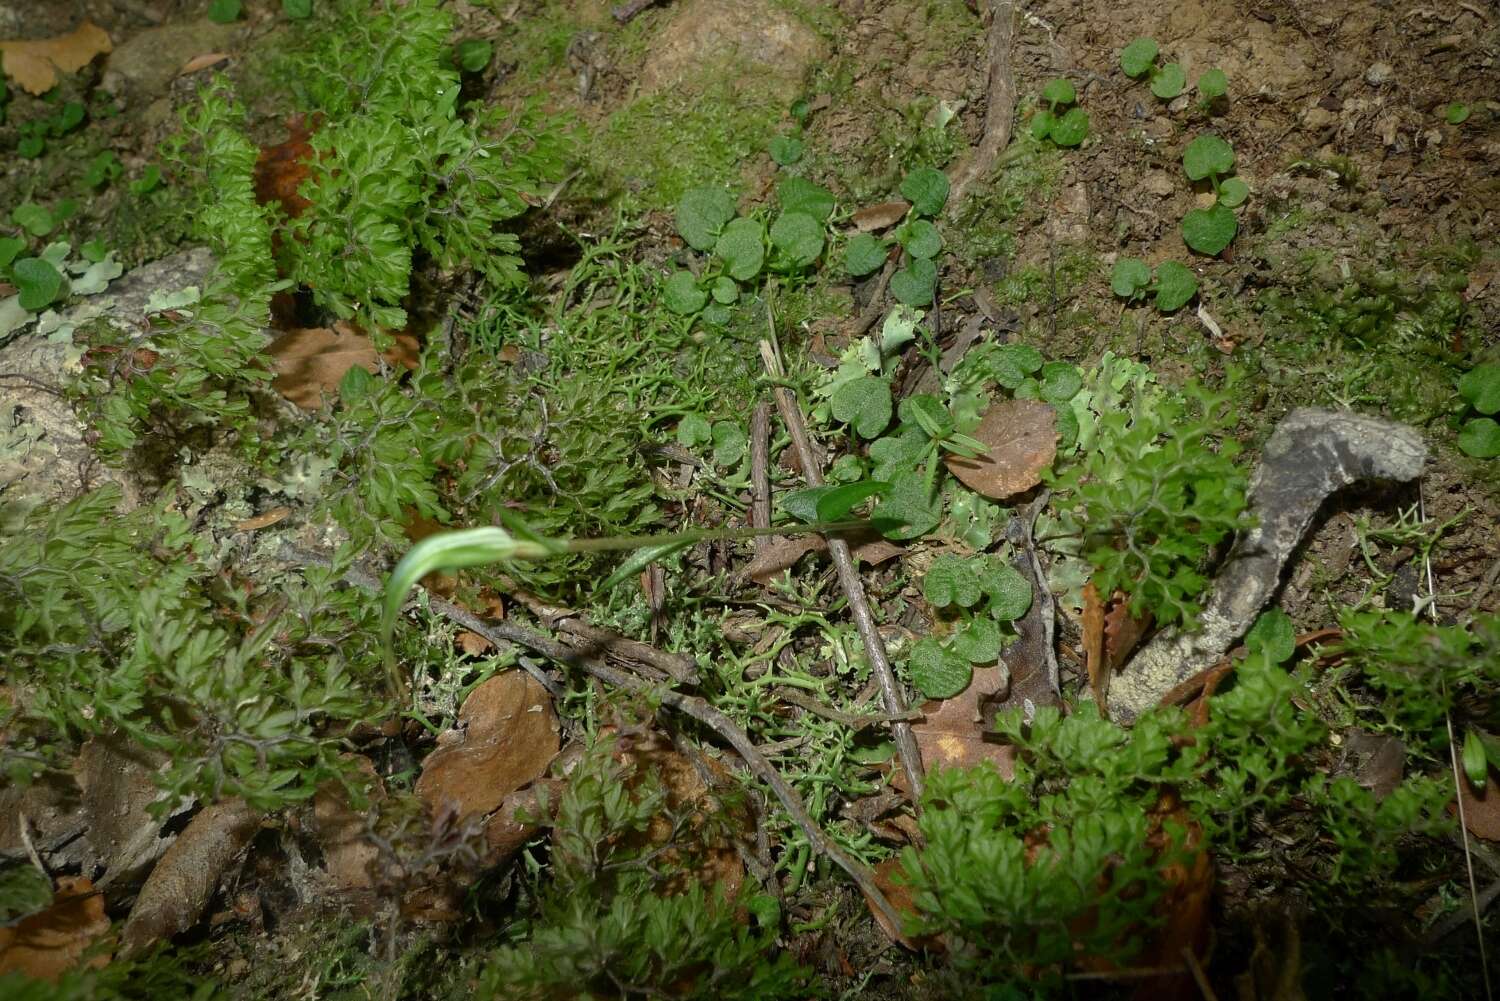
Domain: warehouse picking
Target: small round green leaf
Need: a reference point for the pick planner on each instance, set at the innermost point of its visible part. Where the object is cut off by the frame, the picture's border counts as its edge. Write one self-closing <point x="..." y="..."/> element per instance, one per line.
<point x="1480" y="386"/>
<point x="1274" y="634"/>
<point x="915" y="284"/>
<point x="223" y="11"/>
<point x="1456" y="113"/>
<point x="798" y="194"/>
<point x="473" y="54"/>
<point x="693" y="430"/>
<point x="742" y="247"/>
<point x="701" y="215"/>
<point x="1207" y="155"/>
<point x="729" y="443"/>
<point x="1042" y="123"/>
<point x="1480" y="438"/>
<point x="1210" y="230"/>
<point x="1213" y="84"/>
<point x="864" y="404"/>
<point x="1059" y="91"/>
<point x="682" y="295"/>
<point x="799" y="238"/>
<point x="979" y="641"/>
<point x="1130" y="278"/>
<point x="1071" y="129"/>
<point x="1233" y="192"/>
<point x="937" y="673"/>
<point x="863" y="254"/>
<point x="1175" y="285"/>
<point x="33" y="218"/>
<point x="1009" y="592"/>
<point x="38" y="281"/>
<point x="1137" y="57"/>
<point x="1061" y="381"/>
<point x="921" y="239"/>
<point x="1168" y="82"/>
<point x="10" y="249"/>
<point x="786" y="150"/>
<point x="724" y="290"/>
<point x="951" y="581"/>
<point x="926" y="189"/>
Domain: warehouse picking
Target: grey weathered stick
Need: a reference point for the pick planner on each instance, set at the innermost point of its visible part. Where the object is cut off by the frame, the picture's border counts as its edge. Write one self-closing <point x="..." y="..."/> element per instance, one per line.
<point x="760" y="472"/>
<point x="998" y="113"/>
<point x="854" y="589"/>
<point x="1311" y="454"/>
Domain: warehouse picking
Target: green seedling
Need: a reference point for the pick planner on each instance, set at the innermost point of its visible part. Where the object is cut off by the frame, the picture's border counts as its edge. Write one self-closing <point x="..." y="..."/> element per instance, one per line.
<point x="1211" y="86"/>
<point x="786" y="150"/>
<point x="1139" y="59"/>
<point x="1456" y="113"/>
<point x="102" y="169"/>
<point x="982" y="593"/>
<point x="1210" y="230"/>
<point x="1480" y="389"/>
<point x="297" y="10"/>
<point x="1061" y="121"/>
<point x="916" y="283"/>
<point x="1174" y="285"/>
<point x="148" y="182"/>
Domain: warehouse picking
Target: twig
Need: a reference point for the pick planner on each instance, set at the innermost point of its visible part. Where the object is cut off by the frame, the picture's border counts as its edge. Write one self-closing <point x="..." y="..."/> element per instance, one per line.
<point x="999" y="112"/>
<point x="854" y="591"/>
<point x="1199" y="977"/>
<point x="678" y="667"/>
<point x="1459" y="918"/>
<point x="1480" y="593"/>
<point x="760" y="472"/>
<point x="796" y="698"/>
<point x="876" y="305"/>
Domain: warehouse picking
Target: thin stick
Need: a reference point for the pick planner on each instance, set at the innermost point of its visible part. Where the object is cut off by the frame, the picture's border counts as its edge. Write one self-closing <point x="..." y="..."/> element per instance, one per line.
<point x="999" y="112"/>
<point x="760" y="471"/>
<point x="1199" y="977"/>
<point x="854" y="590"/>
<point x="1463" y="823"/>
<point x="876" y="305"/>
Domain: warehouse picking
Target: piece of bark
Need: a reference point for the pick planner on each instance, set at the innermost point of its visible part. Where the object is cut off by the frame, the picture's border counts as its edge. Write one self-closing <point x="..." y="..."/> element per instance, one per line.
<point x="1312" y="454"/>
<point x="185" y="880"/>
<point x="999" y="112"/>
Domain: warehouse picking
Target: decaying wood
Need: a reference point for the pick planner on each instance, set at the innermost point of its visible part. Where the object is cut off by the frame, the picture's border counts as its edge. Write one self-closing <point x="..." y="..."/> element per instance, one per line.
<point x="999" y="111"/>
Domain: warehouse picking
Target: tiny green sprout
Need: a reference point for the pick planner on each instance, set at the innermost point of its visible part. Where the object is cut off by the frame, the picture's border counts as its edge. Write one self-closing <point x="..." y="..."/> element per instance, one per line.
<point x="148" y="182"/>
<point x="864" y="254"/>
<point x="1211" y="86"/>
<point x="1066" y="128"/>
<point x="102" y="168"/>
<point x="473" y="54"/>
<point x="742" y="247"/>
<point x="682" y="295"/>
<point x="1174" y="284"/>
<point x="1456" y="113"/>
<point x="1210" y="230"/>
<point x="297" y="10"/>
<point x="33" y="218"/>
<point x="1138" y="59"/>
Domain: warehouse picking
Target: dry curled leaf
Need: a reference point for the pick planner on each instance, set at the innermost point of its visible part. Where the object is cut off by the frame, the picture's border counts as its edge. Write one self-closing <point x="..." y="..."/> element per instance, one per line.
<point x="263" y="520"/>
<point x="877" y="217"/>
<point x="45" y="945"/>
<point x="311" y="361"/>
<point x="1021" y="436"/>
<point x="506" y="736"/>
<point x="951" y="731"/>
<point x="34" y="65"/>
<point x="186" y="878"/>
<point x="1482" y="809"/>
<point x="203" y="62"/>
<point x="347" y="852"/>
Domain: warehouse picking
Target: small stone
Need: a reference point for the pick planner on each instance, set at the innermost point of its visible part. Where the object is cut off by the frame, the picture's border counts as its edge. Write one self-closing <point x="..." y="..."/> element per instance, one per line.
<point x="1379" y="74"/>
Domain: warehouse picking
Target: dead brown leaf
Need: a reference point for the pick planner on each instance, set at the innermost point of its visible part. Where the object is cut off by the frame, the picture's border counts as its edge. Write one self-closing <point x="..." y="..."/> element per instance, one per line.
<point x="263" y="520"/>
<point x="1481" y="810"/>
<point x="347" y="853"/>
<point x="34" y="65"/>
<point x="1021" y="436"/>
<point x="506" y="736"/>
<point x="900" y="897"/>
<point x="519" y="819"/>
<point x="45" y="945"/>
<point x="185" y="880"/>
<point x="877" y="217"/>
<point x="781" y="553"/>
<point x="951" y="731"/>
<point x="1123" y="631"/>
<point x="311" y="361"/>
<point x="281" y="169"/>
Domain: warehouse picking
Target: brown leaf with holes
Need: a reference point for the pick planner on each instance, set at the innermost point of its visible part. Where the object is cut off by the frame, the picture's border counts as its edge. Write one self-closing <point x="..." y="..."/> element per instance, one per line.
<point x="951" y="731"/>
<point x="187" y="877"/>
<point x="506" y="736"/>
<point x="877" y="217"/>
<point x="34" y="65"/>
<point x="47" y="944"/>
<point x="341" y="830"/>
<point x="1021" y="436"/>
<point x="311" y="361"/>
<point x="1481" y="810"/>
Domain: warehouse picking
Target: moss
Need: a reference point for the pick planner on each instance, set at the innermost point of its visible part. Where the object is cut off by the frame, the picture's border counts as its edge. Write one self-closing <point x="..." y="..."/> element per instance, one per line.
<point x="658" y="146"/>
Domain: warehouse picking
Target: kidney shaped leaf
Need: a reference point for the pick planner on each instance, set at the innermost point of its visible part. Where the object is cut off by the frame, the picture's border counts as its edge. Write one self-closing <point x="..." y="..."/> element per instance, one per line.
<point x="1210" y="230"/>
<point x="701" y="214"/>
<point x="1207" y="155"/>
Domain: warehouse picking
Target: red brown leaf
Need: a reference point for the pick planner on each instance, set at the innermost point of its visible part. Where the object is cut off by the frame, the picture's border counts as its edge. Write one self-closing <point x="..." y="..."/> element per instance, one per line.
<point x="1021" y="436"/>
